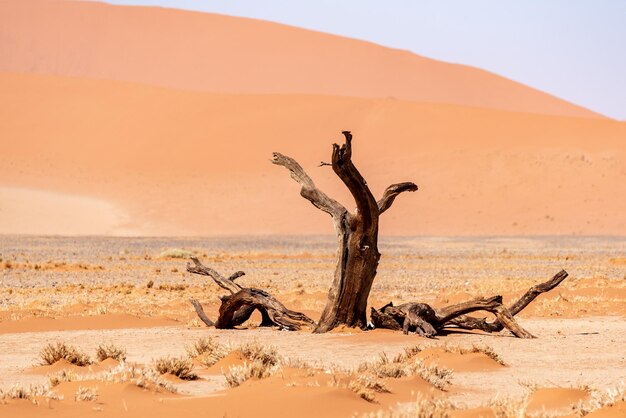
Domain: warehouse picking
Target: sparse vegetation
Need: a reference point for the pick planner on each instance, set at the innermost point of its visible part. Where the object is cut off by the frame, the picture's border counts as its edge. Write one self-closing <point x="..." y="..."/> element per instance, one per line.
<point x="19" y="392"/>
<point x="85" y="394"/>
<point x="424" y="407"/>
<point x="367" y="386"/>
<point x="62" y="376"/>
<point x="207" y="351"/>
<point x="264" y="362"/>
<point x="179" y="367"/>
<point x="485" y="349"/>
<point x="407" y="365"/>
<point x="52" y="353"/>
<point x="176" y="253"/>
<point x="105" y="351"/>
<point x="601" y="399"/>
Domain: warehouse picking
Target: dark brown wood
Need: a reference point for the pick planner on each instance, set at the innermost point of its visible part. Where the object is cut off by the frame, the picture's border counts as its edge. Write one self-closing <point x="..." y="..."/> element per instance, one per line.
<point x="237" y="307"/>
<point x="357" y="235"/>
<point x="427" y="321"/>
<point x="468" y="322"/>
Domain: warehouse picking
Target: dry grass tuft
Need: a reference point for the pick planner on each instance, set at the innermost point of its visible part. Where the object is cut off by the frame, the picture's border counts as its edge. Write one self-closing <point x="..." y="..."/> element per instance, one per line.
<point x="256" y="352"/>
<point x="63" y="376"/>
<point x="207" y="351"/>
<point x="422" y="408"/>
<point x="509" y="408"/>
<point x="144" y="378"/>
<point x="485" y="349"/>
<point x="367" y="387"/>
<point x="264" y="362"/>
<point x="236" y="375"/>
<point x="52" y="353"/>
<point x="406" y="365"/>
<point x="85" y="394"/>
<point x="176" y="253"/>
<point x="601" y="399"/>
<point x="180" y="367"/>
<point x="19" y="392"/>
<point x="106" y="351"/>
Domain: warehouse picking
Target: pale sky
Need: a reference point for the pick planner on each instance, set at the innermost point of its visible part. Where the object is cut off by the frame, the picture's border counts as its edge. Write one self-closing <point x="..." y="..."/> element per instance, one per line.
<point x="574" y="49"/>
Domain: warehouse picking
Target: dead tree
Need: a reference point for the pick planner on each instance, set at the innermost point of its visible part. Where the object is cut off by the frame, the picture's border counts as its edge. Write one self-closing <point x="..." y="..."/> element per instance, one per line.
<point x="427" y="321"/>
<point x="238" y="306"/>
<point x="357" y="235"/>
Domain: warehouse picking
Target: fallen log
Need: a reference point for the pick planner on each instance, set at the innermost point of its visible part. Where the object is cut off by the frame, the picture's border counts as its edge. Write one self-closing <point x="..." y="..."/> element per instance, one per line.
<point x="238" y="306"/>
<point x="427" y="321"/>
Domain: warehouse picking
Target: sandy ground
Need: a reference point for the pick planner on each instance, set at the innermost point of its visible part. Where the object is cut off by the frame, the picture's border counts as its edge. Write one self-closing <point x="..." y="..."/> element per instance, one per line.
<point x="569" y="353"/>
<point x="89" y="291"/>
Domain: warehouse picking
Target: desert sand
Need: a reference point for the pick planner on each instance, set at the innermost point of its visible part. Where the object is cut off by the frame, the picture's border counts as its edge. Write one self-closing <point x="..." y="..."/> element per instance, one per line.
<point x="194" y="163"/>
<point x="131" y="293"/>
<point x="222" y="54"/>
<point x="135" y="137"/>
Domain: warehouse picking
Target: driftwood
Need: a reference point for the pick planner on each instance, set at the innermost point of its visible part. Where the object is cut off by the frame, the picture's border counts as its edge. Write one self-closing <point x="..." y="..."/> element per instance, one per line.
<point x="427" y="321"/>
<point x="357" y="234"/>
<point x="238" y="306"/>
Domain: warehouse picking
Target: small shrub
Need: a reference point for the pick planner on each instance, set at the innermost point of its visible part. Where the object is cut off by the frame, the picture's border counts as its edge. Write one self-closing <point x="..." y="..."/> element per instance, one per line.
<point x="264" y="362"/>
<point x="485" y="349"/>
<point x="62" y="376"/>
<point x="256" y="352"/>
<point x="85" y="394"/>
<point x="106" y="351"/>
<point x="236" y="375"/>
<point x="19" y="392"/>
<point x="207" y="351"/>
<point x="176" y="253"/>
<point x="367" y="386"/>
<point x="404" y="365"/>
<point x="145" y="378"/>
<point x="180" y="367"/>
<point x="52" y="353"/>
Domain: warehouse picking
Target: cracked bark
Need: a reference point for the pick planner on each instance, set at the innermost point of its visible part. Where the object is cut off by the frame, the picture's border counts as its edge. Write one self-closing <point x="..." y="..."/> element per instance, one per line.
<point x="357" y="235"/>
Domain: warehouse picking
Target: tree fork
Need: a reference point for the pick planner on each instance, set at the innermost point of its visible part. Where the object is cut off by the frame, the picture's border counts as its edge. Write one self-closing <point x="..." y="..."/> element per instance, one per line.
<point x="357" y="235"/>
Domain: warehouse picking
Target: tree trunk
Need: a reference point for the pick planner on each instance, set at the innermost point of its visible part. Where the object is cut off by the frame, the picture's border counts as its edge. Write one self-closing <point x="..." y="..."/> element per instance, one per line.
<point x="357" y="235"/>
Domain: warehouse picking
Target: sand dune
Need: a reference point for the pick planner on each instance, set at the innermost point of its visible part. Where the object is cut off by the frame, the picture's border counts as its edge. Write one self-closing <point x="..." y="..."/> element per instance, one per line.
<point x="24" y="211"/>
<point x="215" y="53"/>
<point x="180" y="162"/>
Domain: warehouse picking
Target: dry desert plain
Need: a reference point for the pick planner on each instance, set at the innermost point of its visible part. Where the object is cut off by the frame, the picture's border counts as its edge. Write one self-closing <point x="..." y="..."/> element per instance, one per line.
<point x="128" y="298"/>
<point x="148" y="121"/>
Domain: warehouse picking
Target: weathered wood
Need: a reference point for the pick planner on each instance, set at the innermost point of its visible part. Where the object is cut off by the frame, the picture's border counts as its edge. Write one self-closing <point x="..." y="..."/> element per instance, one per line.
<point x="427" y="321"/>
<point x="468" y="322"/>
<point x="200" y="311"/>
<point x="357" y="235"/>
<point x="223" y="282"/>
<point x="237" y="307"/>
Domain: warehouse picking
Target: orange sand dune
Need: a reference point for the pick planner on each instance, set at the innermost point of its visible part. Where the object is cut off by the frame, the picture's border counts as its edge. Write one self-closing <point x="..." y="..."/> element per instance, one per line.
<point x="180" y="162"/>
<point x="215" y="53"/>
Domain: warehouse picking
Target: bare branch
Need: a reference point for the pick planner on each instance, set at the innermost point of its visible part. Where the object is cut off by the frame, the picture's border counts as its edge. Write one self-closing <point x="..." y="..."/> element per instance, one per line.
<point x="392" y="192"/>
<point x="468" y="322"/>
<point x="367" y="207"/>
<point x="223" y="282"/>
<point x="309" y="191"/>
<point x="322" y="164"/>
<point x="200" y="311"/>
<point x="236" y="275"/>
